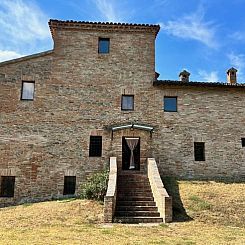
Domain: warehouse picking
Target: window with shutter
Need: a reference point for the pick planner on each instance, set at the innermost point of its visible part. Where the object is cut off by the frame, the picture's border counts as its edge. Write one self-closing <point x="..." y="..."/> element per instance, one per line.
<point x="7" y="186"/>
<point x="199" y="151"/>
<point x="95" y="146"/>
<point x="69" y="185"/>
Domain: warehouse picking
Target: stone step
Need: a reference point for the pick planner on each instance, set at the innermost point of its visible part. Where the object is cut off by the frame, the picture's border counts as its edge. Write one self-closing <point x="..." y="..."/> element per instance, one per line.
<point x="133" y="177"/>
<point x="134" y="194"/>
<point x="136" y="208"/>
<point x="137" y="220"/>
<point x="142" y="171"/>
<point x="135" y="203"/>
<point x="123" y="198"/>
<point x="126" y="187"/>
<point x="137" y="214"/>
<point x="134" y="190"/>
<point x="133" y="184"/>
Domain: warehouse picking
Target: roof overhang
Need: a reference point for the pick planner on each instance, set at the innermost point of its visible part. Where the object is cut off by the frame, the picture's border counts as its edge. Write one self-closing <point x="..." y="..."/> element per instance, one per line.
<point x="102" y="26"/>
<point x="133" y="126"/>
<point x="198" y="84"/>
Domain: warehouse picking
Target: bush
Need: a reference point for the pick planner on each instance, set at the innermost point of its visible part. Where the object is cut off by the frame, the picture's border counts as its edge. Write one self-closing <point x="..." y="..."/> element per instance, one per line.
<point x="96" y="186"/>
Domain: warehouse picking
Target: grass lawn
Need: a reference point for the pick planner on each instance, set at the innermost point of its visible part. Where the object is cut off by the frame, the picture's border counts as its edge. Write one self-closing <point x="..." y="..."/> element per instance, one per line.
<point x="216" y="214"/>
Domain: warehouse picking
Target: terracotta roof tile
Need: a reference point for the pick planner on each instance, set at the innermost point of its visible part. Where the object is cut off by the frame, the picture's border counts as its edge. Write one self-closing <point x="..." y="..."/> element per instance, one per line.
<point x="197" y="84"/>
<point x="105" y="26"/>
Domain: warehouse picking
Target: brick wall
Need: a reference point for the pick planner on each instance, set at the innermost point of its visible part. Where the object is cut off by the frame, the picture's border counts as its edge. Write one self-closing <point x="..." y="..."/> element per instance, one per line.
<point x="78" y="94"/>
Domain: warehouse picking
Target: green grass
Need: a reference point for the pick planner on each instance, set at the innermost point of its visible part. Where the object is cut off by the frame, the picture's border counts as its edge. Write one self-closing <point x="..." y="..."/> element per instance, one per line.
<point x="199" y="204"/>
<point x="215" y="210"/>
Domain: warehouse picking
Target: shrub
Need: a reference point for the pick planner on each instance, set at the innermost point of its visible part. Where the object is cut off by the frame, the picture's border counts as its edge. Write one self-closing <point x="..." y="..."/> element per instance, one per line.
<point x="96" y="186"/>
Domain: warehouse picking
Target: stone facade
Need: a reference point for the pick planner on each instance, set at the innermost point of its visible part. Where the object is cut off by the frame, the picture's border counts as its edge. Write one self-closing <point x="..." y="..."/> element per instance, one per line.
<point x="78" y="94"/>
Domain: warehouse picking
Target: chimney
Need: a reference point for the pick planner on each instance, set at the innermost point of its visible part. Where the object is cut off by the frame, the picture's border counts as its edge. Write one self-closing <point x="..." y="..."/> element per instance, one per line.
<point x="231" y="75"/>
<point x="184" y="76"/>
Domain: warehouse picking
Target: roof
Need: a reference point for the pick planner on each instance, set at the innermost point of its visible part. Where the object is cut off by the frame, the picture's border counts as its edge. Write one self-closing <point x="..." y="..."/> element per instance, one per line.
<point x="197" y="84"/>
<point x="32" y="56"/>
<point x="102" y="26"/>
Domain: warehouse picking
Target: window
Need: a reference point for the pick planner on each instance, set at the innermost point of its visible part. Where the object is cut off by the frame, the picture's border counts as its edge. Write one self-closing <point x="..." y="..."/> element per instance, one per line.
<point x="7" y="186"/>
<point x="69" y="185"/>
<point x="104" y="45"/>
<point x="95" y="146"/>
<point x="199" y="151"/>
<point x="170" y="104"/>
<point x="243" y="142"/>
<point x="127" y="103"/>
<point x="27" y="91"/>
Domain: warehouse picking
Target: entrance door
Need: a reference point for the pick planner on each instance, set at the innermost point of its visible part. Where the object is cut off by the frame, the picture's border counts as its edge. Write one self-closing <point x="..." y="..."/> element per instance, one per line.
<point x="126" y="154"/>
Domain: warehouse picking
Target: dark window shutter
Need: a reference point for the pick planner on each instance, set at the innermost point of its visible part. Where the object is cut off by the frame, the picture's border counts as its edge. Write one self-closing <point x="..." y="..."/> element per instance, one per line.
<point x="243" y="142"/>
<point x="69" y="185"/>
<point x="95" y="146"/>
<point x="7" y="186"/>
<point x="199" y="151"/>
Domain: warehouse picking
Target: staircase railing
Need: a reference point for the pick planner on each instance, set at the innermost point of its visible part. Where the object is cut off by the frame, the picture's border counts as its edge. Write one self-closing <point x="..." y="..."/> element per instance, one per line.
<point x="161" y="197"/>
<point x="111" y="194"/>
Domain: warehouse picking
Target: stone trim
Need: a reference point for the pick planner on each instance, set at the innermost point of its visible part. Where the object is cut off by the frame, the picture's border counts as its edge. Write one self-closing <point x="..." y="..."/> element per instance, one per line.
<point x="70" y="173"/>
<point x="161" y="197"/>
<point x="8" y="172"/>
<point x="110" y="198"/>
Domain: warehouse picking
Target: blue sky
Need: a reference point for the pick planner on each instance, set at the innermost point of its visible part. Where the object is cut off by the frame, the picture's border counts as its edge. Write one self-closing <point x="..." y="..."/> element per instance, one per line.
<point x="205" y="37"/>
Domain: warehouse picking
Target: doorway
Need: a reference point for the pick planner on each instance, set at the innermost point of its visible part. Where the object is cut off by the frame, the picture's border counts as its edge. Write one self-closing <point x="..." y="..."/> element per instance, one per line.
<point x="129" y="161"/>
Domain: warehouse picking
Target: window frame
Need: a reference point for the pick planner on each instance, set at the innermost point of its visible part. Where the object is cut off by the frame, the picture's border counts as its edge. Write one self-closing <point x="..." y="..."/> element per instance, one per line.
<point x="2" y="189"/>
<point x="22" y="90"/>
<point x="103" y="39"/>
<point x="127" y="95"/>
<point x="95" y="152"/>
<point x="170" y="97"/>
<point x="66" y="189"/>
<point x="197" y="157"/>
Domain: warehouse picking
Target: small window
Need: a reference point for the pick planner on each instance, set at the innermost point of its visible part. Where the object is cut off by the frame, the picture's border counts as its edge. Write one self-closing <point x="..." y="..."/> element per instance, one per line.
<point x="104" y="45"/>
<point x="7" y="186"/>
<point x="127" y="103"/>
<point x="243" y="142"/>
<point x="170" y="104"/>
<point x="27" y="91"/>
<point x="69" y="185"/>
<point x="95" y="146"/>
<point x="199" y="151"/>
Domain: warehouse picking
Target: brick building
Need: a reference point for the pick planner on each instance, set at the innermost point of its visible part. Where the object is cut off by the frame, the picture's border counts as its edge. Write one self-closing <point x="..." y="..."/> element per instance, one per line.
<point x="64" y="112"/>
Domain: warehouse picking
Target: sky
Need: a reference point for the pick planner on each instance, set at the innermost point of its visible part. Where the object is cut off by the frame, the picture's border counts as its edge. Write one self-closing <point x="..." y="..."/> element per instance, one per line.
<point x="205" y="37"/>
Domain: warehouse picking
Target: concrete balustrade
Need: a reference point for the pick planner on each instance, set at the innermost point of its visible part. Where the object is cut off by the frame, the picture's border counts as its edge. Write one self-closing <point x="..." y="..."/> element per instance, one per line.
<point x="161" y="197"/>
<point x="110" y="198"/>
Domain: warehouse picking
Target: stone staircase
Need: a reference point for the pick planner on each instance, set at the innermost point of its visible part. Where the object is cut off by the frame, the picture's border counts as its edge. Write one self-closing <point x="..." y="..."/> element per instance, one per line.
<point x="135" y="202"/>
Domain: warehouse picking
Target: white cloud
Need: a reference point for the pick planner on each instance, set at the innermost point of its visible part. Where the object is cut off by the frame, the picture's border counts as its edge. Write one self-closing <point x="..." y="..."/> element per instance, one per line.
<point x="208" y="76"/>
<point x="109" y="10"/>
<point x="24" y="29"/>
<point x="238" y="61"/>
<point x="193" y="26"/>
<point x="8" y="55"/>
<point x="22" y="21"/>
<point x="238" y="36"/>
